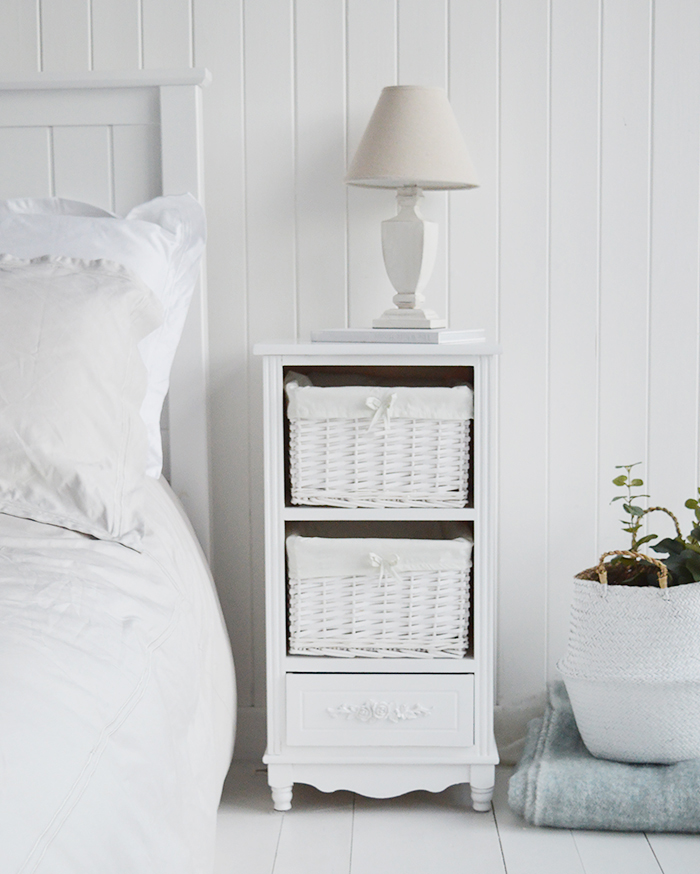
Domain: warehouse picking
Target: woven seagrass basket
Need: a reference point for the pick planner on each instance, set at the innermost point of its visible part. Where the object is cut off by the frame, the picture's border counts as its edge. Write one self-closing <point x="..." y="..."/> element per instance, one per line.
<point x="366" y="446"/>
<point x="378" y="597"/>
<point x="632" y="668"/>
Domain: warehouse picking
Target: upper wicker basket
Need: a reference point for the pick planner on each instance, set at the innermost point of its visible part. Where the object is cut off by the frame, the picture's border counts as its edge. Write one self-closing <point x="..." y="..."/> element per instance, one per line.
<point x="371" y="446"/>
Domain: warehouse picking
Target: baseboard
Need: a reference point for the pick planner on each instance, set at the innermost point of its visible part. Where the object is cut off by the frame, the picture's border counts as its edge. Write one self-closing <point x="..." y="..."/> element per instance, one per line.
<point x="251" y="732"/>
<point x="511" y="720"/>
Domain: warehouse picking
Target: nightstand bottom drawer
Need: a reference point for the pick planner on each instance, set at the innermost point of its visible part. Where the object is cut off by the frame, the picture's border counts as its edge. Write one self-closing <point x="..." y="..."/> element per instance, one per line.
<point x="380" y="710"/>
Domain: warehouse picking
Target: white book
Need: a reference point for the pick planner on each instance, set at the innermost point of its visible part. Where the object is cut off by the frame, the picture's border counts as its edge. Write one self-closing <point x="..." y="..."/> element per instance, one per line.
<point x="399" y="335"/>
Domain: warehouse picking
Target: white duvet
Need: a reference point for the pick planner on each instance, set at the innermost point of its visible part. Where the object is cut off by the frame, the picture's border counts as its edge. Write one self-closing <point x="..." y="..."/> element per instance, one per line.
<point x="116" y="700"/>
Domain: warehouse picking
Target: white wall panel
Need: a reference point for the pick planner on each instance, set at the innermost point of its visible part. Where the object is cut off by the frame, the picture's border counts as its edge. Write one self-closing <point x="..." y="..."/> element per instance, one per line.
<point x="524" y="333"/>
<point x="579" y="251"/>
<point x="473" y="226"/>
<point x="673" y="381"/>
<point x="269" y="87"/>
<point x="116" y="36"/>
<point x="166" y="33"/>
<point x="422" y="60"/>
<point x="624" y="292"/>
<point x="573" y="307"/>
<point x="19" y="37"/>
<point x="65" y="35"/>
<point x="320" y="164"/>
<point x="371" y="64"/>
<point x="83" y="164"/>
<point x="218" y="31"/>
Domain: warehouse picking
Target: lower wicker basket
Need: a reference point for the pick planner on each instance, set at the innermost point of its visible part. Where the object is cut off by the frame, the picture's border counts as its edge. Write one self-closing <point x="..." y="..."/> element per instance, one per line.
<point x="378" y="597"/>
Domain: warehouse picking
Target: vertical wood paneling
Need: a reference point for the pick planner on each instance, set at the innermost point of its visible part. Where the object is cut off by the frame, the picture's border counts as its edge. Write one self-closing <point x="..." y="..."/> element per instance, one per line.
<point x="166" y="27"/>
<point x="371" y="65"/>
<point x="673" y="385"/>
<point x="422" y="60"/>
<point x="320" y="164"/>
<point x="83" y="164"/>
<point x="624" y="267"/>
<point x="65" y="35"/>
<point x="19" y="37"/>
<point x="524" y="334"/>
<point x="270" y="228"/>
<point x="573" y="400"/>
<point x="27" y="170"/>
<point x="116" y="39"/>
<point x="218" y="35"/>
<point x="473" y="215"/>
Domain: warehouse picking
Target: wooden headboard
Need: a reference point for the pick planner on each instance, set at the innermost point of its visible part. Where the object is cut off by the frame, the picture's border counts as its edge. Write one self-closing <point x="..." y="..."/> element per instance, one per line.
<point x="116" y="140"/>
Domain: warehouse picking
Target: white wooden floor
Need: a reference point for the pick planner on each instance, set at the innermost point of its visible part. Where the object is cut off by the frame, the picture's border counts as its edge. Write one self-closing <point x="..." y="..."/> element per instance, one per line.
<point x="420" y="833"/>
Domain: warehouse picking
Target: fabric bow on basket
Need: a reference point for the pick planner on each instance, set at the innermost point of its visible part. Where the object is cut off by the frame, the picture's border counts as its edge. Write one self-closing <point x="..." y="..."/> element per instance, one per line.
<point x="382" y="409"/>
<point x="386" y="566"/>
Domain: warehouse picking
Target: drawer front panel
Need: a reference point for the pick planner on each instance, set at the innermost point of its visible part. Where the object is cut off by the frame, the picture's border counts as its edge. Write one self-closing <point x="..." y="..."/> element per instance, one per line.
<point x="380" y="710"/>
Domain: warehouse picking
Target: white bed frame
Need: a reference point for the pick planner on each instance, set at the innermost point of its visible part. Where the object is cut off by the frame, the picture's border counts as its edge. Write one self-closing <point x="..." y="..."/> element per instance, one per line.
<point x="116" y="140"/>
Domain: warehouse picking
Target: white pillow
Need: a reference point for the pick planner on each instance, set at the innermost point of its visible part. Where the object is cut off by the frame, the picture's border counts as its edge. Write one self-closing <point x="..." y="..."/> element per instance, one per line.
<point x="73" y="445"/>
<point x="160" y="241"/>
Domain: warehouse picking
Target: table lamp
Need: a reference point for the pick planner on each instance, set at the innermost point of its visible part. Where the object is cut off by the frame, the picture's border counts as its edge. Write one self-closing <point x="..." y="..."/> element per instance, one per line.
<point x="412" y="143"/>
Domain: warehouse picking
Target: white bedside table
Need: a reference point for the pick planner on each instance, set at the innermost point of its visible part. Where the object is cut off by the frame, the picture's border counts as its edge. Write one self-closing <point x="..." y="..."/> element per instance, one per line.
<point x="380" y="726"/>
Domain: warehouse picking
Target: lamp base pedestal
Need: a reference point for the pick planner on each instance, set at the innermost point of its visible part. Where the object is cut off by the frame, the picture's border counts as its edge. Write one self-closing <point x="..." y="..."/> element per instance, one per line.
<point x="409" y="318"/>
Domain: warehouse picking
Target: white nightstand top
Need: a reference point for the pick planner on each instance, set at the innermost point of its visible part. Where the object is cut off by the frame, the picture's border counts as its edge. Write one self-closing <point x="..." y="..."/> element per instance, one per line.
<point x="294" y="347"/>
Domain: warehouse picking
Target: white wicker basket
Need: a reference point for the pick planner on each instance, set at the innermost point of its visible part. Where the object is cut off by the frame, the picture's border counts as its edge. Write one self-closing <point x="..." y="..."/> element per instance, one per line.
<point x="378" y="597"/>
<point x="366" y="446"/>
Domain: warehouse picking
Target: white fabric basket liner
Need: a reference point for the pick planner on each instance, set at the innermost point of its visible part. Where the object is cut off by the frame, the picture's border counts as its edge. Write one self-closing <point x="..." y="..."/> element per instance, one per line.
<point x="317" y="557"/>
<point x="308" y="401"/>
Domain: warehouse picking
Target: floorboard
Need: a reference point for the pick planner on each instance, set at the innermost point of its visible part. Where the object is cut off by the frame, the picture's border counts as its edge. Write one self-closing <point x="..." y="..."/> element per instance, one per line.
<point x="423" y="832"/>
<point x="615" y="853"/>
<point x="676" y="854"/>
<point x="248" y="830"/>
<point x="420" y="833"/>
<point x="528" y="849"/>
<point x="316" y="833"/>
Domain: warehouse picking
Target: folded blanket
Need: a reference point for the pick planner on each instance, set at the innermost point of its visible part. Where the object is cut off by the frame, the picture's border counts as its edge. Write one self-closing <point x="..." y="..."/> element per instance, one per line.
<point x="559" y="783"/>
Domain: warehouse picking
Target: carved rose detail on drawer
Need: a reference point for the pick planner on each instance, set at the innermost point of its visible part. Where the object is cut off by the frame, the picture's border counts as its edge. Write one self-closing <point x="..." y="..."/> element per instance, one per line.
<point x="371" y="711"/>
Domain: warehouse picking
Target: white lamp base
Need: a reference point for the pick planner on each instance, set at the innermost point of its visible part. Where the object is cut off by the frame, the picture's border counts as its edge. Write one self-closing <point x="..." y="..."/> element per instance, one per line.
<point x="409" y="246"/>
<point x="409" y="318"/>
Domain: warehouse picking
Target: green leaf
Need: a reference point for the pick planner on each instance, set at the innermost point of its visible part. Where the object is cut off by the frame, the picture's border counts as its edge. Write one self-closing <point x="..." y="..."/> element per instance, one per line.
<point x="691" y="504"/>
<point x="619" y="498"/>
<point x="672" y="547"/>
<point x="695" y="533"/>
<point x="637" y="482"/>
<point x="633" y="510"/>
<point x="620" y="480"/>
<point x="646" y="539"/>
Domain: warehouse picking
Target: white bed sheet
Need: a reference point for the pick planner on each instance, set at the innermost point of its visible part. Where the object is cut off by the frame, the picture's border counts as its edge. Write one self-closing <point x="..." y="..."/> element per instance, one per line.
<point x="117" y="699"/>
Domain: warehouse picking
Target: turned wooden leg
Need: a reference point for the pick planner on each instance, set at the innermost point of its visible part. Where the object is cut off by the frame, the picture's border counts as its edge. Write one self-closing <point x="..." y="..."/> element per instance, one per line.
<point x="483" y="778"/>
<point x="282" y="797"/>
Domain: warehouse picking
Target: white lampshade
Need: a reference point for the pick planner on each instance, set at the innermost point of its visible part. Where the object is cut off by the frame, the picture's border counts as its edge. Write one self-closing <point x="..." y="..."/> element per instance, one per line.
<point x="412" y="139"/>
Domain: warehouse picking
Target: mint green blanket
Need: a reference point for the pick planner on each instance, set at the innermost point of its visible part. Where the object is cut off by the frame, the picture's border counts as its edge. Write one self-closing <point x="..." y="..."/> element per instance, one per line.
<point x="559" y="783"/>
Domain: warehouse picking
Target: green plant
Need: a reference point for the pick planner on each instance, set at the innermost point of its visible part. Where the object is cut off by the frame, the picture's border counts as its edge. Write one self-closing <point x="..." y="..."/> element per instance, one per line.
<point x="636" y="514"/>
<point x="682" y="553"/>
